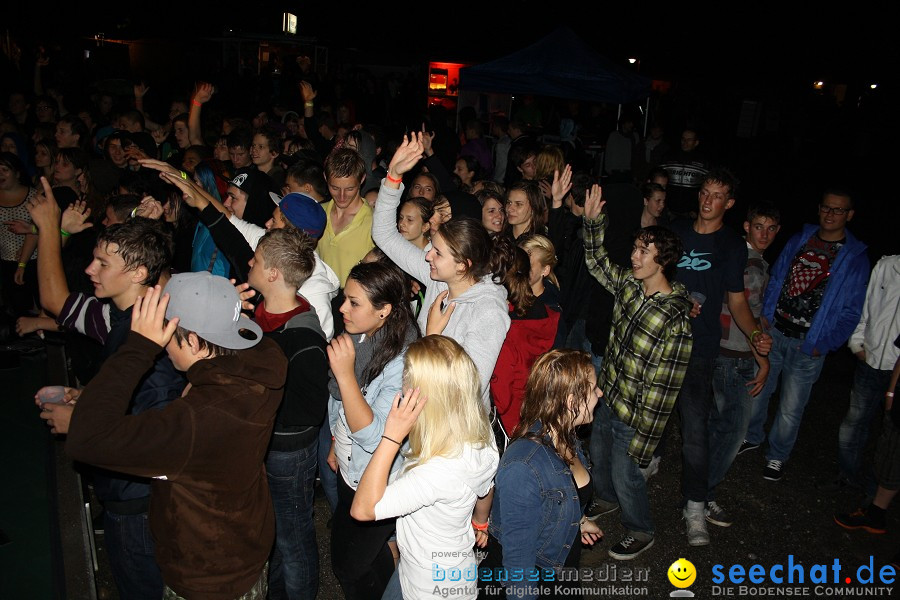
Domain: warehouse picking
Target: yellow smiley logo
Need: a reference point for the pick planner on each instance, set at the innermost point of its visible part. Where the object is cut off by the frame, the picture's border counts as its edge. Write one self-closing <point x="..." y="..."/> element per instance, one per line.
<point x="682" y="573"/>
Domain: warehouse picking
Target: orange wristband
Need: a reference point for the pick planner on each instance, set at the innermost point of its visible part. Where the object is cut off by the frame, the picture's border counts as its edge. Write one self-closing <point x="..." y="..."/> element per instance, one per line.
<point x="480" y="526"/>
<point x="391" y="179"/>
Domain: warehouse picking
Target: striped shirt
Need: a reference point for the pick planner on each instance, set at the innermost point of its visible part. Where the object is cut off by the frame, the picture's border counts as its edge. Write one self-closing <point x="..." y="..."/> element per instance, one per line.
<point x="649" y="346"/>
<point x="86" y="315"/>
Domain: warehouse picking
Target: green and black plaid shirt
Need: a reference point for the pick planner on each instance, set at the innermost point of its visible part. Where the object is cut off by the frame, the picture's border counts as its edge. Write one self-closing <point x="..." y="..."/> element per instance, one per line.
<point x="649" y="346"/>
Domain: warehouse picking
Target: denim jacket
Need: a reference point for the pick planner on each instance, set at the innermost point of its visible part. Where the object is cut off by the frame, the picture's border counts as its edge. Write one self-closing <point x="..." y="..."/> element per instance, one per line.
<point x="379" y="394"/>
<point x="536" y="512"/>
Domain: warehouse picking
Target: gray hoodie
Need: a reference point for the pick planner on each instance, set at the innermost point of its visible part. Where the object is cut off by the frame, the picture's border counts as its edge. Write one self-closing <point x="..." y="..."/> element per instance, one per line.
<point x="481" y="317"/>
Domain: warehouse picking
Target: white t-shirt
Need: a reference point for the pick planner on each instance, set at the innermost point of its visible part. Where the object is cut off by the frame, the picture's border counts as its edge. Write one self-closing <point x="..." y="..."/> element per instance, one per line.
<point x="434" y="503"/>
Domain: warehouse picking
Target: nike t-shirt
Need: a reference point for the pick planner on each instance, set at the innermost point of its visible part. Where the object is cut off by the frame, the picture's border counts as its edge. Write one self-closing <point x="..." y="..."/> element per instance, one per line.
<point x="712" y="265"/>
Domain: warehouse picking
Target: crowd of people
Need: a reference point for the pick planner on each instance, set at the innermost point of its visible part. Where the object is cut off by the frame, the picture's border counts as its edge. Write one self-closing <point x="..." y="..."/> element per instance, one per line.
<point x="257" y="307"/>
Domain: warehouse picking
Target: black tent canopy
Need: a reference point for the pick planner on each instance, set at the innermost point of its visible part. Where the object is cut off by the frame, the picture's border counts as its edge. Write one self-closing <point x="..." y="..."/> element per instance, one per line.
<point x="560" y="65"/>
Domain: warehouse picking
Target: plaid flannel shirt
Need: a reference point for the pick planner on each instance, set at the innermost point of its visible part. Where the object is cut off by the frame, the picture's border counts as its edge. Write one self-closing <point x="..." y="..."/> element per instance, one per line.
<point x="649" y="346"/>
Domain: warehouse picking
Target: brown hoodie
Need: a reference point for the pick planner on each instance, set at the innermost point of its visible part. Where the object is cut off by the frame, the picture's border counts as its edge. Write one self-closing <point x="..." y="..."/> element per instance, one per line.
<point x="210" y="511"/>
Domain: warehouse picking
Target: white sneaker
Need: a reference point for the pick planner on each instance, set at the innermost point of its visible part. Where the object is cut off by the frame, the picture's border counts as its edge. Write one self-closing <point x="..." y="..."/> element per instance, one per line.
<point x="695" y="517"/>
<point x="651" y="469"/>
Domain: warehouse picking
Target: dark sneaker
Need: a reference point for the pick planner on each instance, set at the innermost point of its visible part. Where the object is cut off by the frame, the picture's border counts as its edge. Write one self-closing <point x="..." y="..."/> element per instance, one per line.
<point x="747" y="447"/>
<point x="600" y="507"/>
<point x="774" y="470"/>
<point x="629" y="548"/>
<point x="860" y="520"/>
<point x="716" y="515"/>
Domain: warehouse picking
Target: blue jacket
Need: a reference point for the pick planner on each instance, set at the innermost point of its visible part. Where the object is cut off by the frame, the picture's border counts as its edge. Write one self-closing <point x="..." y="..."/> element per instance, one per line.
<point x="844" y="295"/>
<point x="379" y="394"/>
<point x="535" y="514"/>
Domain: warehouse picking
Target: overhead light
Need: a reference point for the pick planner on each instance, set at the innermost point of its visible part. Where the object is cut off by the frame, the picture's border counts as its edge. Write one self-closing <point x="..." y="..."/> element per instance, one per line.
<point x="874" y="86"/>
<point x="818" y="85"/>
<point x="632" y="60"/>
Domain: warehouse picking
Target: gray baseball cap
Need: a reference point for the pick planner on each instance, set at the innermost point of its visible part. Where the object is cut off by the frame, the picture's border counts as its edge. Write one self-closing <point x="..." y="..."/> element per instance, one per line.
<point x="209" y="306"/>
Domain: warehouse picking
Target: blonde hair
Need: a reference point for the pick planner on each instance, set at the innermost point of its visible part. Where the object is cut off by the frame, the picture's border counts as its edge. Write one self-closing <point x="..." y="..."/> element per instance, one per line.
<point x="546" y="253"/>
<point x="454" y="415"/>
<point x="548" y="160"/>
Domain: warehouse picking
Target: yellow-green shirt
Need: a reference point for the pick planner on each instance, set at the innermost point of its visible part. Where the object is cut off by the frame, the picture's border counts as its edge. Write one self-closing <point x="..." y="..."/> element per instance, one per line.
<point x="344" y="250"/>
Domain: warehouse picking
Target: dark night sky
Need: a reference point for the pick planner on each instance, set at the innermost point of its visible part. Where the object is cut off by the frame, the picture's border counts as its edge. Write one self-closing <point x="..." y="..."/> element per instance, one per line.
<point x="675" y="41"/>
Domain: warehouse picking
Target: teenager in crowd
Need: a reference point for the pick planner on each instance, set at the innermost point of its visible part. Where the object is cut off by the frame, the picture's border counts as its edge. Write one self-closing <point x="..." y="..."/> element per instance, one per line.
<point x="447" y="473"/>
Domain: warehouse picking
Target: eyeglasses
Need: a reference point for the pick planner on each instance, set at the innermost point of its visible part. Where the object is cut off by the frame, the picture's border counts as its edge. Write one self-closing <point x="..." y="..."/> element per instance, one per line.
<point x="43" y="107"/>
<point x="833" y="210"/>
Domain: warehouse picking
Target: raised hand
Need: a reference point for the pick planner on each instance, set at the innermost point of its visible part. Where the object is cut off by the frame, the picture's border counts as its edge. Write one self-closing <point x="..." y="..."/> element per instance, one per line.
<point x="342" y="356"/>
<point x="561" y="186"/>
<point x="74" y="218"/>
<point x="140" y="90"/>
<point x="43" y="209"/>
<point x="407" y="155"/>
<point x="148" y="317"/>
<point x="307" y="91"/>
<point x="404" y="412"/>
<point x="593" y="202"/>
<point x="204" y="92"/>
<point x="427" y="141"/>
<point x="149" y="208"/>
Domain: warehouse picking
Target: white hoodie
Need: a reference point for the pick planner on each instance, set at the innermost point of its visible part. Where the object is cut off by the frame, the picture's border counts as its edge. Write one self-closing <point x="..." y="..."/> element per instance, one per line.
<point x="434" y="503"/>
<point x="319" y="290"/>
<point x="481" y="318"/>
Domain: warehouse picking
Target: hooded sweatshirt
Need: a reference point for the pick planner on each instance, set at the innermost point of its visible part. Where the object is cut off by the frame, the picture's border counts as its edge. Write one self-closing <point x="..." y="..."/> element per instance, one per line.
<point x="434" y="503"/>
<point x="306" y="390"/>
<point x="480" y="320"/>
<point x="211" y="515"/>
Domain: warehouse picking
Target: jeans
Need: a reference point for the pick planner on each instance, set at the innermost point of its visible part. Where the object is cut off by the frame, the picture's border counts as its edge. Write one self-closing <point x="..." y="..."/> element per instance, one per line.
<point x="327" y="477"/>
<point x="393" y="591"/>
<point x="694" y="405"/>
<point x="577" y="339"/>
<point x="866" y="396"/>
<point x="129" y="546"/>
<point x="360" y="557"/>
<point x="798" y="373"/>
<point x="294" y="566"/>
<point x="730" y="414"/>
<point x="616" y="475"/>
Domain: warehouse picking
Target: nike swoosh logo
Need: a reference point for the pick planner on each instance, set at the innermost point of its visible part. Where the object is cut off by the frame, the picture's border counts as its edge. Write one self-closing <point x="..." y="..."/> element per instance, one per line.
<point x="695" y="254"/>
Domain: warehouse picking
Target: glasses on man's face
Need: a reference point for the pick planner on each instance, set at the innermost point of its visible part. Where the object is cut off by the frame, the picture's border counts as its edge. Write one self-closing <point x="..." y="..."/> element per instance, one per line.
<point x="833" y="210"/>
<point x="43" y="107"/>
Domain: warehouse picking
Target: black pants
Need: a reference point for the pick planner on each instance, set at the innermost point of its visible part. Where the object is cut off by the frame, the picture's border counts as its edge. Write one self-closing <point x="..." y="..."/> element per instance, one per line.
<point x="360" y="556"/>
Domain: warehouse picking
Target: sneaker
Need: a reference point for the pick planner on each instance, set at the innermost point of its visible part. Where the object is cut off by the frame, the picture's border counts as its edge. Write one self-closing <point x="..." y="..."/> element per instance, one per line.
<point x="600" y="507"/>
<point x="651" y="469"/>
<point x="773" y="470"/>
<point x="629" y="548"/>
<point x="747" y="447"/>
<point x="695" y="517"/>
<point x="716" y="515"/>
<point x="860" y="520"/>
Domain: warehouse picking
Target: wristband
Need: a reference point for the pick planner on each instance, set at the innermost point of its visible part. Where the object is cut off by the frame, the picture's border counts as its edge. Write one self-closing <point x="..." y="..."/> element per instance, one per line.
<point x="480" y="526"/>
<point x="195" y="103"/>
<point x="886" y="395"/>
<point x="753" y="334"/>
<point x="22" y="265"/>
<point x="184" y="175"/>
<point x="384" y="437"/>
<point x="308" y="104"/>
<point x="63" y="232"/>
<point x="34" y="229"/>
<point x="391" y="179"/>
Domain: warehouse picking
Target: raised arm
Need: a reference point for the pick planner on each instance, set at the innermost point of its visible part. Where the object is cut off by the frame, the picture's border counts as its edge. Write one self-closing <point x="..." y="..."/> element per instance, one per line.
<point x="51" y="278"/>
<point x="202" y="94"/>
<point x="404" y="253"/>
<point x="599" y="265"/>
